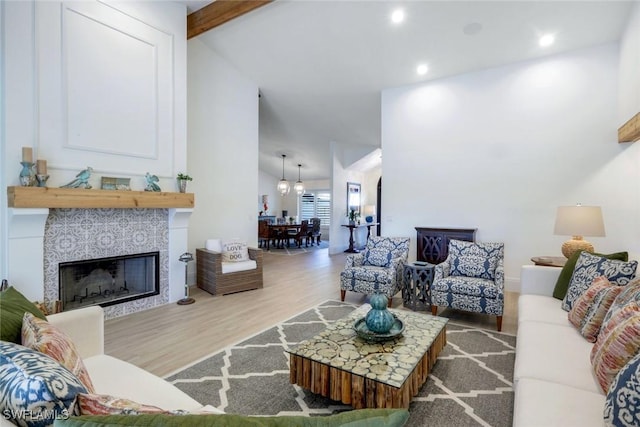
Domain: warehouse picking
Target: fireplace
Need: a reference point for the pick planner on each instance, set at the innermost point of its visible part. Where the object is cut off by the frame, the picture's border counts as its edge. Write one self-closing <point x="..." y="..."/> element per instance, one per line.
<point x="75" y="235"/>
<point x="109" y="281"/>
<point x="43" y="238"/>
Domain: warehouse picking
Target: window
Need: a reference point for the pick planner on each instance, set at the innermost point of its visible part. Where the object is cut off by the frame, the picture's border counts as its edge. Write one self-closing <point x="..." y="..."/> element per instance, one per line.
<point x="316" y="204"/>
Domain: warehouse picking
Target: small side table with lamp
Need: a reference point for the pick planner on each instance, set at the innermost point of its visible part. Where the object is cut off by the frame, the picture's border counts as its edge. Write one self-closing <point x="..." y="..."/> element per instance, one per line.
<point x="578" y="221"/>
<point x="575" y="221"/>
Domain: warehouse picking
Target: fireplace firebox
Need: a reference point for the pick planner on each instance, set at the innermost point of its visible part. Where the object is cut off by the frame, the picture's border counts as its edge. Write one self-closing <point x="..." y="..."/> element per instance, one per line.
<point x="109" y="281"/>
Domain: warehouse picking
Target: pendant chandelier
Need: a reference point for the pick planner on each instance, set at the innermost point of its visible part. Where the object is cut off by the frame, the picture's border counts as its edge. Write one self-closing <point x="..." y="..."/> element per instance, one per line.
<point x="299" y="187"/>
<point x="283" y="184"/>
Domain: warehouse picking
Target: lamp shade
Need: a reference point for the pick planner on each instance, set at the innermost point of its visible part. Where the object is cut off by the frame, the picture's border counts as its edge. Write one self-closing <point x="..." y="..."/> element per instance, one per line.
<point x="299" y="186"/>
<point x="579" y="221"/>
<point x="369" y="212"/>
<point x="283" y="185"/>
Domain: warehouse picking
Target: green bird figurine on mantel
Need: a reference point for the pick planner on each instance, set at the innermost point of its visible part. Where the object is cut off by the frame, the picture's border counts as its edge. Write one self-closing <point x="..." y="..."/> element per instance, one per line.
<point x="81" y="180"/>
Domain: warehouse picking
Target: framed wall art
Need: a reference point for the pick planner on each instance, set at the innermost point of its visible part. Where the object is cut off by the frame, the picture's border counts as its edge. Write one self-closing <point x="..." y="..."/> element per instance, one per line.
<point x="353" y="197"/>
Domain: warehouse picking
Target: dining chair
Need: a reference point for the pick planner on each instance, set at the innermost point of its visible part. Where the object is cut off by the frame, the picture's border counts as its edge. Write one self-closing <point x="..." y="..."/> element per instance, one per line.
<point x="301" y="233"/>
<point x="314" y="231"/>
<point x="265" y="234"/>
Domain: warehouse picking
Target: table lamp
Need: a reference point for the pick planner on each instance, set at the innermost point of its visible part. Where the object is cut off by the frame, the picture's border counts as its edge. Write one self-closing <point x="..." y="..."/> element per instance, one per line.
<point x="369" y="211"/>
<point x="578" y="221"/>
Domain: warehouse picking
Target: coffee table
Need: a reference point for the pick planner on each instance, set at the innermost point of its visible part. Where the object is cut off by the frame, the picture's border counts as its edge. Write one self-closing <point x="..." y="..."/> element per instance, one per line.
<point x="339" y="365"/>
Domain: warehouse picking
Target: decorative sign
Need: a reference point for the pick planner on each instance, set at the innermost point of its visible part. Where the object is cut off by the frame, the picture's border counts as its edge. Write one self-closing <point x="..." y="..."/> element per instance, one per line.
<point x="109" y="183"/>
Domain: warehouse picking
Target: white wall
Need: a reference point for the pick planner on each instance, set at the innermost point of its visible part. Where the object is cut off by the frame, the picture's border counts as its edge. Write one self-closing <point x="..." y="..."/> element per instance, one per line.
<point x="267" y="185"/>
<point x="629" y="83"/>
<point x="115" y="101"/>
<point x="40" y="59"/>
<point x="500" y="149"/>
<point x="370" y="189"/>
<point x="223" y="149"/>
<point x="18" y="98"/>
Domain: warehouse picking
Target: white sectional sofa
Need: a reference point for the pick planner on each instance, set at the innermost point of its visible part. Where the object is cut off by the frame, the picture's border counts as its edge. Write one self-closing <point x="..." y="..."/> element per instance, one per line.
<point x="553" y="378"/>
<point x="112" y="376"/>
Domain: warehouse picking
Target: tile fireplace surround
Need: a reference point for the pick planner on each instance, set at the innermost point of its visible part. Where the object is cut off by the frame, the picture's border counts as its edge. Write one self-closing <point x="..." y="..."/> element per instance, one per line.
<point x="41" y="238"/>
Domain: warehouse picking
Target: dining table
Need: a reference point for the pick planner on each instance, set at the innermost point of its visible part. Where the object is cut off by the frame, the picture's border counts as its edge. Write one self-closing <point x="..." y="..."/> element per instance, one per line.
<point x="283" y="228"/>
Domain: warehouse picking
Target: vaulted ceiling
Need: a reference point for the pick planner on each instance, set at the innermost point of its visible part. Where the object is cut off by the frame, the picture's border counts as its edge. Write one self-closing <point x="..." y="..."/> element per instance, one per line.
<point x="321" y="65"/>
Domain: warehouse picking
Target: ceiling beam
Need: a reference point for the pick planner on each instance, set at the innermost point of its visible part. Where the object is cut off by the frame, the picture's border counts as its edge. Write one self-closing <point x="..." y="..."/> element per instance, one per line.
<point x="219" y="12"/>
<point x="630" y="131"/>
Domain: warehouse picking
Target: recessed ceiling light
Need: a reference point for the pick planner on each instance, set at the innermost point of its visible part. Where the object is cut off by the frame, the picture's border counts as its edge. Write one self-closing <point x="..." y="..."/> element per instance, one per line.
<point x="397" y="16"/>
<point x="422" y="69"/>
<point x="546" y="40"/>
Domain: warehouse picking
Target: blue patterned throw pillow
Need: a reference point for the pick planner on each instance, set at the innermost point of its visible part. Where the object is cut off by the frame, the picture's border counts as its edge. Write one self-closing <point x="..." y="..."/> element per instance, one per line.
<point x="590" y="266"/>
<point x="377" y="257"/>
<point x="622" y="406"/>
<point x="470" y="259"/>
<point x="34" y="388"/>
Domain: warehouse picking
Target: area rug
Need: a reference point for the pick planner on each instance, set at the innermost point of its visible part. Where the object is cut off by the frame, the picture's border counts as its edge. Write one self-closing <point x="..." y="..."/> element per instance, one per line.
<point x="294" y="250"/>
<point x="470" y="385"/>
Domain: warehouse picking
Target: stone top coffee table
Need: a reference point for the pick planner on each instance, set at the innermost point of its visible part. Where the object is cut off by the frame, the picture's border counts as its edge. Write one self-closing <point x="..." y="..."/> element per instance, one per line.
<point x="341" y="366"/>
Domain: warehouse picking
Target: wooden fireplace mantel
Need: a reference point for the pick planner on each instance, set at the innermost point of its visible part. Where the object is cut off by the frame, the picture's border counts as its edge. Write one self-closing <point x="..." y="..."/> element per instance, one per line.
<point x="43" y="197"/>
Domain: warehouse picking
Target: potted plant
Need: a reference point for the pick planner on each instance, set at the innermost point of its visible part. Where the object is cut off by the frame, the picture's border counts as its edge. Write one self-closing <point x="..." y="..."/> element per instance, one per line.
<point x="183" y="178"/>
<point x="353" y="216"/>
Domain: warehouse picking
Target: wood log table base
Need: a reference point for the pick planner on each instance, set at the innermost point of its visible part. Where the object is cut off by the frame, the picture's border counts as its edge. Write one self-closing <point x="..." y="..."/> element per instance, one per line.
<point x="358" y="391"/>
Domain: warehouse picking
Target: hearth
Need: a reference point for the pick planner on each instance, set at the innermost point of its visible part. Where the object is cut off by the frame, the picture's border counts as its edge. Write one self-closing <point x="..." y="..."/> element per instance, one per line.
<point x="109" y="281"/>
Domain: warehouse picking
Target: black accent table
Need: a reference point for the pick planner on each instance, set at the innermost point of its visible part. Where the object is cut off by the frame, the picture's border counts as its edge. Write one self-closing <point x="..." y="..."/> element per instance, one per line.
<point x="416" y="286"/>
<point x="433" y="243"/>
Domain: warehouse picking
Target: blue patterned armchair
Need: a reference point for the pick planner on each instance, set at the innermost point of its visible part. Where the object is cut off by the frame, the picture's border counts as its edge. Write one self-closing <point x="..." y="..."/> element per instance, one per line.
<point x="377" y="269"/>
<point x="471" y="279"/>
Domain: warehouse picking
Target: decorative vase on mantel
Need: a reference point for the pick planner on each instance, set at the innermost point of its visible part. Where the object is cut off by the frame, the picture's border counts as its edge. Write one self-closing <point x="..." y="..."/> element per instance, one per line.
<point x="182" y="181"/>
<point x="182" y="185"/>
<point x="379" y="319"/>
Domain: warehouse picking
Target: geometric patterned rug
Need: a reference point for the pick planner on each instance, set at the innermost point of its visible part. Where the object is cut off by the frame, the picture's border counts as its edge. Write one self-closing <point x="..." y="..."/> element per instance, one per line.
<point x="470" y="384"/>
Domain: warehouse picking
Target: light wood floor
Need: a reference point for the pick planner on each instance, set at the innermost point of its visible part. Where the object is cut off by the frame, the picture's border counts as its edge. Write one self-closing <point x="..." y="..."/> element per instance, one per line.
<point x="164" y="339"/>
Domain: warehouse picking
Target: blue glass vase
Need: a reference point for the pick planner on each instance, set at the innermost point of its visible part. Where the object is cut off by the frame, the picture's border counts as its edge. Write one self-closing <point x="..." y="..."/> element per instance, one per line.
<point x="379" y="319"/>
<point x="26" y="174"/>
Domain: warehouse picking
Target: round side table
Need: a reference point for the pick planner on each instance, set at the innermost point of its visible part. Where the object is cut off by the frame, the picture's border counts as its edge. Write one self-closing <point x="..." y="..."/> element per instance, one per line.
<point x="416" y="286"/>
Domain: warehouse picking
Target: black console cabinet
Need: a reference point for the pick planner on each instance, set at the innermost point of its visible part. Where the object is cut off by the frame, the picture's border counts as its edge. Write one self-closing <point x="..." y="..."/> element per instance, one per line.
<point x="433" y="243"/>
